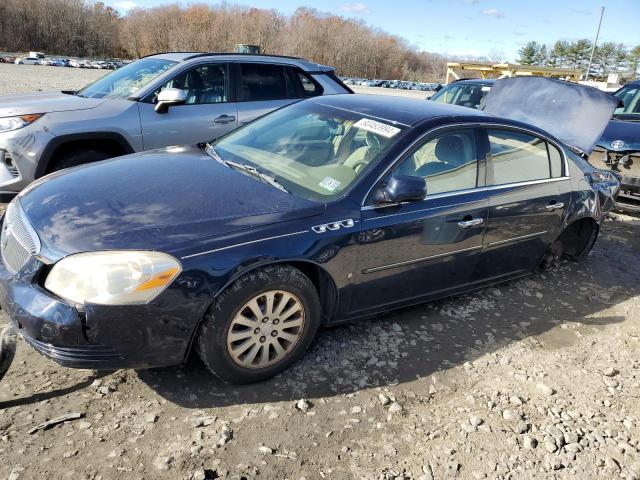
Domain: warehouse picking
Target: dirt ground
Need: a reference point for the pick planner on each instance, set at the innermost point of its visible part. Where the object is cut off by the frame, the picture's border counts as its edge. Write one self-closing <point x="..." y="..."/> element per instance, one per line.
<point x="534" y="379"/>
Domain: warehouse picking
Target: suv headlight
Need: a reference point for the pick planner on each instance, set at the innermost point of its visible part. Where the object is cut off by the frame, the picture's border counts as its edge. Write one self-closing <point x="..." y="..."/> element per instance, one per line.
<point x="14" y="123"/>
<point x="112" y="278"/>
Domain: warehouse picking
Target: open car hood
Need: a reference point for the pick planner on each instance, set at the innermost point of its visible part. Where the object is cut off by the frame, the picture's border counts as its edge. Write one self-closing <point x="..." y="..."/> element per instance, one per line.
<point x="574" y="114"/>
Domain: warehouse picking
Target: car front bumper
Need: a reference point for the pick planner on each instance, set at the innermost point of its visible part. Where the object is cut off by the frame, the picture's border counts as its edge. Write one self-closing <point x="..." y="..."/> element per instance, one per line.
<point x="20" y="152"/>
<point x="626" y="164"/>
<point x="100" y="336"/>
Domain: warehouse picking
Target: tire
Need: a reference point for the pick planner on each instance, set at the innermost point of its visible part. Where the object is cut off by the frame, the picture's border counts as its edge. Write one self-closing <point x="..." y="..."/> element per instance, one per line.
<point x="79" y="157"/>
<point x="223" y="323"/>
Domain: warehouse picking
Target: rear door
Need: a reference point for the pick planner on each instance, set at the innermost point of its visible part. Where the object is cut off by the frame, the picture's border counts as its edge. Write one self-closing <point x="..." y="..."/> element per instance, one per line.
<point x="264" y="87"/>
<point x="529" y="193"/>
<point x="209" y="112"/>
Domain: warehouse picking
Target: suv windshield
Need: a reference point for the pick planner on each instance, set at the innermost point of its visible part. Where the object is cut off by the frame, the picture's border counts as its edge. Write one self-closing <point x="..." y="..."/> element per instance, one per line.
<point x="126" y="80"/>
<point x="466" y="95"/>
<point x="630" y="96"/>
<point x="314" y="151"/>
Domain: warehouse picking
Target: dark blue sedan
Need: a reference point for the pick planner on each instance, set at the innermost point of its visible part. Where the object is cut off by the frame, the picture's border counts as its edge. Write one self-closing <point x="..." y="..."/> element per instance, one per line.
<point x="328" y="210"/>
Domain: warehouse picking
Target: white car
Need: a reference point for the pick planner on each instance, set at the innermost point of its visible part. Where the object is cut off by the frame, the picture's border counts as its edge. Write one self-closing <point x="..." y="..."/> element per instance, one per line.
<point x="27" y="61"/>
<point x="73" y="63"/>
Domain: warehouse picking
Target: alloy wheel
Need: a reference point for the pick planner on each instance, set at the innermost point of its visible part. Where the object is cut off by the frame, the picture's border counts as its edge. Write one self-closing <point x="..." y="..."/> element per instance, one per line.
<point x="265" y="329"/>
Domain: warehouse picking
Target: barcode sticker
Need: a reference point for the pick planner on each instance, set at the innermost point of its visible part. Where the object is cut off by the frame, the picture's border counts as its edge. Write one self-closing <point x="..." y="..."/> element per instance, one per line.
<point x="380" y="128"/>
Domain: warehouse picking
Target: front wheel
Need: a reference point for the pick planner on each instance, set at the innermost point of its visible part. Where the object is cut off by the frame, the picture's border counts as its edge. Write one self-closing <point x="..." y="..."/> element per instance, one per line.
<point x="78" y="157"/>
<point x="260" y="325"/>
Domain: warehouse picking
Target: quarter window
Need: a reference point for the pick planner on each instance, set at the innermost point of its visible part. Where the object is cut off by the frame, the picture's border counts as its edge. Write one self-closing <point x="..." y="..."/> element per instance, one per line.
<point x="447" y="162"/>
<point x="555" y="161"/>
<point x="518" y="157"/>
<point x="309" y="87"/>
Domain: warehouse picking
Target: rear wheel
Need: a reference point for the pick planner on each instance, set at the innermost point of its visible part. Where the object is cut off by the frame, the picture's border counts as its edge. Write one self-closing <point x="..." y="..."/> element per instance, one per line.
<point x="260" y="325"/>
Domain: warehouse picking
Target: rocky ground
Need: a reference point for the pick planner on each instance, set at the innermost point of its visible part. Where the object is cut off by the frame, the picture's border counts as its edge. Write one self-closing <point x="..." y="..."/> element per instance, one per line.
<point x="536" y="378"/>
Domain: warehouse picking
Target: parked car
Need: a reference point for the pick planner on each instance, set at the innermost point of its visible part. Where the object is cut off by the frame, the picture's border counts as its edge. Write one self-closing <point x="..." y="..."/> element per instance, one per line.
<point x="327" y="210"/>
<point x="160" y="100"/>
<point x="72" y="63"/>
<point x="27" y="61"/>
<point x="466" y="93"/>
<point x="619" y="147"/>
<point x="7" y="59"/>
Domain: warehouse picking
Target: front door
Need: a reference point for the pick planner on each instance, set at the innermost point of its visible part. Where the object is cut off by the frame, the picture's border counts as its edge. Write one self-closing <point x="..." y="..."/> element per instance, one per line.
<point x="206" y="115"/>
<point x="429" y="248"/>
<point x="530" y="192"/>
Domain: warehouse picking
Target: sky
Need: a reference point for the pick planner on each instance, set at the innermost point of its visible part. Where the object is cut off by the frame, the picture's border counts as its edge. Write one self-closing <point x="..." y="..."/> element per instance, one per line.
<point x="469" y="28"/>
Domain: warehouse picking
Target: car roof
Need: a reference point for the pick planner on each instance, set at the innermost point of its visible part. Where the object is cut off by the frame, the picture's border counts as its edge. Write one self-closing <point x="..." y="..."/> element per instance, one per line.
<point x="237" y="57"/>
<point x="393" y="109"/>
<point x="474" y="81"/>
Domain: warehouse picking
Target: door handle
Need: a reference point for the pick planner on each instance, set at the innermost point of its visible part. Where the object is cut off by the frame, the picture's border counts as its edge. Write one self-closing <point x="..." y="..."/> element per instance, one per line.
<point x="554" y="206"/>
<point x="224" y="119"/>
<point x="471" y="223"/>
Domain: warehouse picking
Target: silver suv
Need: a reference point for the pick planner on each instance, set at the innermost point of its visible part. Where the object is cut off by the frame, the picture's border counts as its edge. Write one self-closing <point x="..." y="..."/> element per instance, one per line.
<point x="157" y="101"/>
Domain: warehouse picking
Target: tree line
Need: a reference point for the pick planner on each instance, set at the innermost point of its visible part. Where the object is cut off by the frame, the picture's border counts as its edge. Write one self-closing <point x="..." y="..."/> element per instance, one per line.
<point x="87" y="29"/>
<point x="608" y="57"/>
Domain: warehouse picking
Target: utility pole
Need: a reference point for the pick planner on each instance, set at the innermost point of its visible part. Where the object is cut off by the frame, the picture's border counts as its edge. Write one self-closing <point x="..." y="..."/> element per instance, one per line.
<point x="595" y="42"/>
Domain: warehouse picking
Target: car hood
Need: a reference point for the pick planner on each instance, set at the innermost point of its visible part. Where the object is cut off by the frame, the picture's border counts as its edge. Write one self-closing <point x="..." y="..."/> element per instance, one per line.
<point x="619" y="130"/>
<point x="575" y="114"/>
<point x="161" y="200"/>
<point x="24" y="104"/>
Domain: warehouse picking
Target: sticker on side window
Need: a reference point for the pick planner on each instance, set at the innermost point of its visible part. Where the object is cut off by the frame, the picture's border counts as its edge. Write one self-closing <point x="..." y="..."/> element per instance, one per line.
<point x="330" y="184"/>
<point x="377" y="127"/>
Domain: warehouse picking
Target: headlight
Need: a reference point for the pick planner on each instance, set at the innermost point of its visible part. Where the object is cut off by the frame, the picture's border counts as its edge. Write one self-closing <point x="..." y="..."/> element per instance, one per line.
<point x="112" y="278"/>
<point x="14" y="123"/>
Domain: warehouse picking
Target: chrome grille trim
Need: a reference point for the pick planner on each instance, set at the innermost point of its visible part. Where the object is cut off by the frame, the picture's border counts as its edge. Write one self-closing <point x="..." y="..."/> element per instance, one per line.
<point x="19" y="240"/>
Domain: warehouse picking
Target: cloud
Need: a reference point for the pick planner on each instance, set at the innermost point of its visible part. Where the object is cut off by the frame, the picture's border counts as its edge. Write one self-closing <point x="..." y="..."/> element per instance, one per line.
<point x="493" y="12"/>
<point x="357" y="8"/>
<point x="125" y="5"/>
<point x="520" y="34"/>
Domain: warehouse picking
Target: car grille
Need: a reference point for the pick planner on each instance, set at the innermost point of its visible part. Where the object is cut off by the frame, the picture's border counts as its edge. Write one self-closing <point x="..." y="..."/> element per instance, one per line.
<point x="19" y="241"/>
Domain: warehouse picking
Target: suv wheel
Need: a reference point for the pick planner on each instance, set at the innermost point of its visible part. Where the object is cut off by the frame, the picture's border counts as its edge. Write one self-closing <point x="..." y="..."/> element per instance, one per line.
<point x="260" y="325"/>
<point x="79" y="157"/>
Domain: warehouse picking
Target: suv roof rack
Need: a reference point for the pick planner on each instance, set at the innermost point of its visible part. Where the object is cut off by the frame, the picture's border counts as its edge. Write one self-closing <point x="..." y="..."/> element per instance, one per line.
<point x="206" y="54"/>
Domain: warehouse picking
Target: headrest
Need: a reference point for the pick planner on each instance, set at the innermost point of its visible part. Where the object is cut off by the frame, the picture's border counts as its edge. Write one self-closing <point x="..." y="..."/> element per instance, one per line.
<point x="450" y="149"/>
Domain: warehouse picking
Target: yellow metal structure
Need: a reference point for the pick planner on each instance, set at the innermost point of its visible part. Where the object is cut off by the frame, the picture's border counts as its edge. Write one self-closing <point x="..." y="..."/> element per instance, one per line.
<point x="502" y="70"/>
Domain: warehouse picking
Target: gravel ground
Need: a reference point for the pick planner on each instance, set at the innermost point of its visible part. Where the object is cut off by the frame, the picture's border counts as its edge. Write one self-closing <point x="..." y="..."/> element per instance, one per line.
<point x="36" y="78"/>
<point x="536" y="378"/>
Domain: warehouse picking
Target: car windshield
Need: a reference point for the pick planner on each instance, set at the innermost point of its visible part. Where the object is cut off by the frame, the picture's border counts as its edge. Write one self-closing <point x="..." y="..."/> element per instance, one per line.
<point x="312" y="150"/>
<point x="125" y="81"/>
<point x="461" y="94"/>
<point x="630" y="96"/>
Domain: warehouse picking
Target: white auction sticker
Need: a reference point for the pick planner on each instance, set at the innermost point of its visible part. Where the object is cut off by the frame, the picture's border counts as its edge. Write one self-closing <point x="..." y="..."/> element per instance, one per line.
<point x="376" y="127"/>
<point x="330" y="184"/>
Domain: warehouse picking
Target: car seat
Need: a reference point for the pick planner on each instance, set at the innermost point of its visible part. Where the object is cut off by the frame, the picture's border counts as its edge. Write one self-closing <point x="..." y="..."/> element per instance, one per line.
<point x="360" y="157"/>
<point x="450" y="154"/>
<point x="195" y="86"/>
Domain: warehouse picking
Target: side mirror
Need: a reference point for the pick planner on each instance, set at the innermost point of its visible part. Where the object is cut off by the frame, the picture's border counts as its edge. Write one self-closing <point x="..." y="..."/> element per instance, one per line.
<point x="402" y="188"/>
<point x="170" y="97"/>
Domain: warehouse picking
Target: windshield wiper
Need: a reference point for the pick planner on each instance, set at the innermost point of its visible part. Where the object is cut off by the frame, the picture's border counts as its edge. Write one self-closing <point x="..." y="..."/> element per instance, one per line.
<point x="252" y="171"/>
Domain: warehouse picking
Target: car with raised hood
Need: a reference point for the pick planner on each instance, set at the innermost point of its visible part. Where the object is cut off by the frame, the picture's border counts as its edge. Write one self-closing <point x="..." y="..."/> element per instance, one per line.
<point x="619" y="147"/>
<point x="327" y="210"/>
<point x="160" y="100"/>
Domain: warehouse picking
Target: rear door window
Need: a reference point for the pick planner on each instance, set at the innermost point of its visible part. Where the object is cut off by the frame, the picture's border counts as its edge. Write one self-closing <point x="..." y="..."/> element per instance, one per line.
<point x="263" y="81"/>
<point x="517" y="157"/>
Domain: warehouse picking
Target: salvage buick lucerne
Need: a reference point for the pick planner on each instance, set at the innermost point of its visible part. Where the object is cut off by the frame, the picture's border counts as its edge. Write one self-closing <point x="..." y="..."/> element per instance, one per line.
<point x="324" y="211"/>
